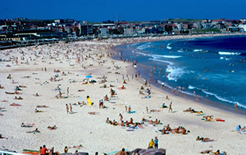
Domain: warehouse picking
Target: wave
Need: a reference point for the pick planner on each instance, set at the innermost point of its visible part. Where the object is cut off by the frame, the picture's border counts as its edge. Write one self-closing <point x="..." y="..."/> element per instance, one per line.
<point x="197" y="50"/>
<point x="191" y="87"/>
<point x="144" y="46"/>
<point x="159" y="60"/>
<point x="168" y="46"/>
<point x="166" y="56"/>
<point x="223" y="99"/>
<point x="228" y="53"/>
<point x="223" y="58"/>
<point x="174" y="73"/>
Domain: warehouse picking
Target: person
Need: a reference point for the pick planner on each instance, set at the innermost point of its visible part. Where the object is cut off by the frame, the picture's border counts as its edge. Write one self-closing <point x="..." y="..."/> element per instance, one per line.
<point x="131" y="121"/>
<point x="100" y="104"/>
<point x="121" y="117"/>
<point x="43" y="150"/>
<point x="52" y="127"/>
<point x="67" y="90"/>
<point x="156" y="142"/>
<point x="129" y="109"/>
<point x="65" y="149"/>
<point x="39" y="152"/>
<point x="76" y="152"/>
<point x="67" y="108"/>
<point x="170" y="107"/>
<point x="164" y="106"/>
<point x="168" y="128"/>
<point x="52" y="152"/>
<point x="106" y="98"/>
<point x="36" y="110"/>
<point x="151" y="144"/>
<point x="122" y="152"/>
<point x="107" y="120"/>
<point x="70" y="107"/>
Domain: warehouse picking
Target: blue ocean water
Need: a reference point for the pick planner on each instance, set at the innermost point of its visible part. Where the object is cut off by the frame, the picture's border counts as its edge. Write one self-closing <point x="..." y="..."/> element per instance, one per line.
<point x="214" y="68"/>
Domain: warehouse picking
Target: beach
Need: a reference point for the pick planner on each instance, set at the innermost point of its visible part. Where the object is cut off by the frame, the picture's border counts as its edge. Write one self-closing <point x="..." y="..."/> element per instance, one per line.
<point x="69" y="67"/>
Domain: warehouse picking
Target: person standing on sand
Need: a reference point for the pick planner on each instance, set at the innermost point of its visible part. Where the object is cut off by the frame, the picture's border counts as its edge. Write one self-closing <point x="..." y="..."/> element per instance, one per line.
<point x="67" y="90"/>
<point x="151" y="144"/>
<point x="170" y="107"/>
<point x="67" y="108"/>
<point x="70" y="107"/>
<point x="156" y="142"/>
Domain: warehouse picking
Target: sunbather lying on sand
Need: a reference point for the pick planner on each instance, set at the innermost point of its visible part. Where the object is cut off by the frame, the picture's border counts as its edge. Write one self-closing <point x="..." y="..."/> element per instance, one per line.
<point x="192" y="111"/>
<point x="82" y="103"/>
<point x="208" y="118"/>
<point x="151" y="121"/>
<point x="4" y="101"/>
<point x="74" y="146"/>
<point x="52" y="127"/>
<point x="42" y="106"/>
<point x="14" y="104"/>
<point x="34" y="131"/>
<point x="22" y="86"/>
<point x="180" y="129"/>
<point x="1" y="87"/>
<point x="204" y="139"/>
<point x="154" y="110"/>
<point x="36" y="110"/>
<point x="93" y="113"/>
<point x="206" y="151"/>
<point x="12" y="92"/>
<point x="80" y="90"/>
<point x="26" y="125"/>
<point x="104" y="86"/>
<point x="1" y="137"/>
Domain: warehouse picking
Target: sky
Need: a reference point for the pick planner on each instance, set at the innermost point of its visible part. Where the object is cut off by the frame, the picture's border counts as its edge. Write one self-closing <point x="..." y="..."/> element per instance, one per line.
<point x="128" y="10"/>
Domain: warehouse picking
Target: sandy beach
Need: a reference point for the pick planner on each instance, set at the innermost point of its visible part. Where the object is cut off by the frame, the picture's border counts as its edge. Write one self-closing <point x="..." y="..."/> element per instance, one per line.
<point x="46" y="69"/>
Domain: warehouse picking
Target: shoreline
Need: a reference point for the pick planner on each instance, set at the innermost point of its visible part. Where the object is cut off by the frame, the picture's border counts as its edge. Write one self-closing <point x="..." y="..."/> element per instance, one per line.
<point x="91" y="130"/>
<point x="202" y="100"/>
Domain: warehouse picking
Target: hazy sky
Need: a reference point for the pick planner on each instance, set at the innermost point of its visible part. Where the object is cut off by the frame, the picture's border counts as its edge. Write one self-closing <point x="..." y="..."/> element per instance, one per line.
<point x="129" y="10"/>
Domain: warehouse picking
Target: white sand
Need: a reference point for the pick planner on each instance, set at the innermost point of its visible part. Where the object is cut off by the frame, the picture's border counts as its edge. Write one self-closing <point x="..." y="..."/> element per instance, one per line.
<point x="91" y="130"/>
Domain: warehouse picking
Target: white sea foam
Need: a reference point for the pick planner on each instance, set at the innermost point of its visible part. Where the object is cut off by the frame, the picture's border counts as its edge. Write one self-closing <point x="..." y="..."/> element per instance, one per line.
<point x="174" y="73"/>
<point x="224" y="58"/>
<point x="144" y="46"/>
<point x="197" y="50"/>
<point x="191" y="87"/>
<point x="168" y="46"/>
<point x="228" y="53"/>
<point x="223" y="99"/>
<point x="159" y="60"/>
<point x="166" y="56"/>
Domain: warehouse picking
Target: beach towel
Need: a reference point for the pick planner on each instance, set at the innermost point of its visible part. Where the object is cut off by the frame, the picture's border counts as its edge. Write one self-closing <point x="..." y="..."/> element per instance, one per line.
<point x="200" y="114"/>
<point x="220" y="120"/>
<point x="132" y="112"/>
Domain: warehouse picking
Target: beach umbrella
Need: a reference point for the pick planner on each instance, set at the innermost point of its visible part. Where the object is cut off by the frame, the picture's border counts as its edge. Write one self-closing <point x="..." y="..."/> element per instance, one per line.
<point x="88" y="76"/>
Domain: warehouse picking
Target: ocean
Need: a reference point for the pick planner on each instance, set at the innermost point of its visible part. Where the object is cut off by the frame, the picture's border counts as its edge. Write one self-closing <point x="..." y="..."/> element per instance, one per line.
<point x="213" y="67"/>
